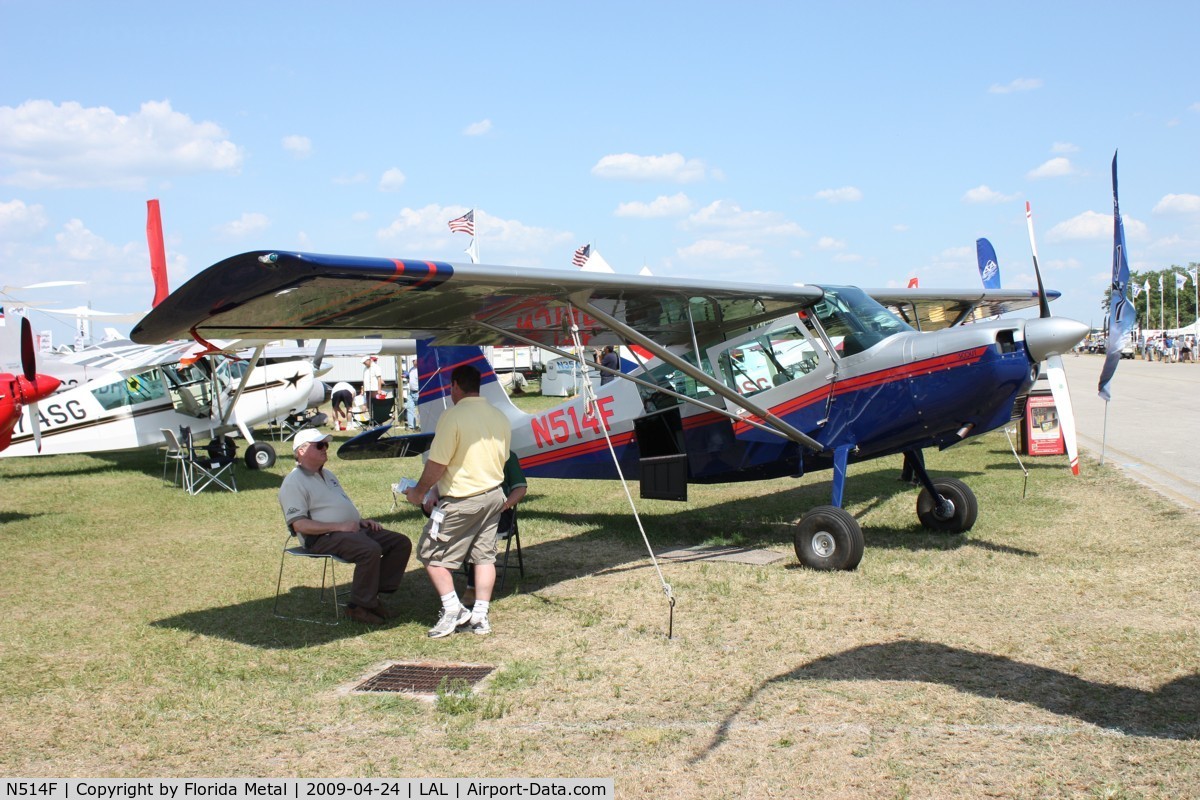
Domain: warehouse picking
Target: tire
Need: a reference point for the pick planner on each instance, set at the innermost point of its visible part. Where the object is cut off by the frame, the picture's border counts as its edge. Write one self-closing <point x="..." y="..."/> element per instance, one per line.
<point x="260" y="456"/>
<point x="960" y="518"/>
<point x="829" y="538"/>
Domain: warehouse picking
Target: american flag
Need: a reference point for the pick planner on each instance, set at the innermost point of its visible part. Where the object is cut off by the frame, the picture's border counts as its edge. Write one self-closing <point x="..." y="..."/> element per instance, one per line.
<point x="464" y="224"/>
<point x="582" y="255"/>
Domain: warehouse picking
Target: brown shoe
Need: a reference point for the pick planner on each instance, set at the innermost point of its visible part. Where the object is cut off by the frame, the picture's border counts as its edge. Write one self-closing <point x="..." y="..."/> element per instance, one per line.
<point x="359" y="614"/>
<point x="380" y="610"/>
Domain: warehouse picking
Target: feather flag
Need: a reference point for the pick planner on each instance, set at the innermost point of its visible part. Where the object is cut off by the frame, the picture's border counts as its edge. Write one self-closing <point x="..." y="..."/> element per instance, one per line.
<point x="1120" y="310"/>
<point x="1180" y="281"/>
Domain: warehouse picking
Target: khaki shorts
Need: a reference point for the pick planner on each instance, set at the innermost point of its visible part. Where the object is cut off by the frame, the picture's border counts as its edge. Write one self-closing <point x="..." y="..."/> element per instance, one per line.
<point x="467" y="531"/>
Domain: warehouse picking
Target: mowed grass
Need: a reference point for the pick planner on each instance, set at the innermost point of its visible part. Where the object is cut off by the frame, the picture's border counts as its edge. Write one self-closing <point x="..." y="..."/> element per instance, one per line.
<point x="1050" y="652"/>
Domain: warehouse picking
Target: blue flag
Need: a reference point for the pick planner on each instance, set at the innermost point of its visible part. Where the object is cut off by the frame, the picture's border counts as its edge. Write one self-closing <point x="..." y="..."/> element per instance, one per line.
<point x="1120" y="310"/>
<point x="989" y="267"/>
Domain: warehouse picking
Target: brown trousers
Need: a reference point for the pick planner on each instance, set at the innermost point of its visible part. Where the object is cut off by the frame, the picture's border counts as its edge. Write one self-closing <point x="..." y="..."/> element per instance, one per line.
<point x="379" y="557"/>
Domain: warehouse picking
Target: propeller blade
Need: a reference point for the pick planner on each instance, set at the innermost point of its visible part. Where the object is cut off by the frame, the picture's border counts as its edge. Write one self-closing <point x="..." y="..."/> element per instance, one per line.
<point x="36" y="426"/>
<point x="1057" y="377"/>
<point x="1043" y="303"/>
<point x="28" y="354"/>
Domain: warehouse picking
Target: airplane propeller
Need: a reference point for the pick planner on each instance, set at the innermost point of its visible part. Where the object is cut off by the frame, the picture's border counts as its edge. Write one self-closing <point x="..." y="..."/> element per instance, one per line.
<point x="34" y="386"/>
<point x="1046" y="338"/>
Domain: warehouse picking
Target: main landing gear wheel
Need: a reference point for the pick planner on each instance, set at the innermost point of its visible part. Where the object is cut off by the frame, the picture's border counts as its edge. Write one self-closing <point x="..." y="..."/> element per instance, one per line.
<point x="957" y="515"/>
<point x="829" y="538"/>
<point x="260" y="456"/>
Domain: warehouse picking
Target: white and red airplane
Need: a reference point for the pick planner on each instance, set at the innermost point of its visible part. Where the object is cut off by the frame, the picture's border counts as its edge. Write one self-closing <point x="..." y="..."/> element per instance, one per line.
<point x="25" y="390"/>
<point x="734" y="382"/>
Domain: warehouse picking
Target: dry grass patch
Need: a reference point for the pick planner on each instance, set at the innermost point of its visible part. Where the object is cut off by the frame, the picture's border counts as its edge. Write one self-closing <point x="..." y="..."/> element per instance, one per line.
<point x="1051" y="652"/>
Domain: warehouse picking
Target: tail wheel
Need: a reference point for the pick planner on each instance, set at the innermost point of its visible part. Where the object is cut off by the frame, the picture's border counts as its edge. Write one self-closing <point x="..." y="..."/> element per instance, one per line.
<point x="260" y="456"/>
<point x="956" y="515"/>
<point x="829" y="538"/>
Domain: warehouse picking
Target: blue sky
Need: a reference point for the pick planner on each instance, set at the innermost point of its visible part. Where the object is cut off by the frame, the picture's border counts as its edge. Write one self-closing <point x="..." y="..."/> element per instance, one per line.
<point x="859" y="143"/>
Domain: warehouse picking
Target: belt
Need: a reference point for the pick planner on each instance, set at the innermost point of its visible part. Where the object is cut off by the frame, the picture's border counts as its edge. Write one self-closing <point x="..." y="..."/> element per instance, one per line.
<point x="495" y="488"/>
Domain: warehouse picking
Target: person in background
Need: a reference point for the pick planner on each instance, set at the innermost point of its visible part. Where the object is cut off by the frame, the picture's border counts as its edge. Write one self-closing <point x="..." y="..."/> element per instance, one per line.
<point x="412" y="396"/>
<point x="611" y="360"/>
<point x="341" y="399"/>
<point x="318" y="510"/>
<point x="372" y="382"/>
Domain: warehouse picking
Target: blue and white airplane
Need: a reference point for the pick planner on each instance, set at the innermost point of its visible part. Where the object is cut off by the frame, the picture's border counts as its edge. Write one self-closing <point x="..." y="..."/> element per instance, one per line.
<point x="732" y="382"/>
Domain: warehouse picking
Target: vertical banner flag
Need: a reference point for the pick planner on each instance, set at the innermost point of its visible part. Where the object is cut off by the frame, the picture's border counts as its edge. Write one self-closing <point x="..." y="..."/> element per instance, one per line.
<point x="582" y="255"/>
<point x="989" y="267"/>
<point x="1180" y="281"/>
<point x="158" y="251"/>
<point x="1120" y="311"/>
<point x="464" y="224"/>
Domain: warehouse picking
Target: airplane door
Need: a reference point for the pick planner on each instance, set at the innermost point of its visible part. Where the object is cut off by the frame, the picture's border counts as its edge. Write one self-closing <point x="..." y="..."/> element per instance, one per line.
<point x="781" y="361"/>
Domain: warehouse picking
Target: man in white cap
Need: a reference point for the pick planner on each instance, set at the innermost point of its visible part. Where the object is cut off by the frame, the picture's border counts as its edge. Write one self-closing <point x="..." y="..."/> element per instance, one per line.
<point x="319" y="511"/>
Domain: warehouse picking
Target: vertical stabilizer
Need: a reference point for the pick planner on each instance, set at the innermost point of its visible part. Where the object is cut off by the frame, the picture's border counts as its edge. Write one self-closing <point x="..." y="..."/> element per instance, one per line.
<point x="434" y="366"/>
<point x="158" y="251"/>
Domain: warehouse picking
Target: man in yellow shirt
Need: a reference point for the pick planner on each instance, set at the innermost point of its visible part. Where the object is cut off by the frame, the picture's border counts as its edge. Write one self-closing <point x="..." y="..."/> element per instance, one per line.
<point x="466" y="461"/>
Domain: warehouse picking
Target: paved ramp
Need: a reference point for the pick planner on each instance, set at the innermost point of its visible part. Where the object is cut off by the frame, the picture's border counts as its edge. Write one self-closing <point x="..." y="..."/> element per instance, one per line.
<point x="1153" y="428"/>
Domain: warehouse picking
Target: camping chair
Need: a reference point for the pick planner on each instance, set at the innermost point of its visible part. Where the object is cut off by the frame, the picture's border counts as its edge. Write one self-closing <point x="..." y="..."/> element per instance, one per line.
<point x="381" y="411"/>
<point x="209" y="466"/>
<point x="292" y="424"/>
<point x="174" y="452"/>
<point x="329" y="565"/>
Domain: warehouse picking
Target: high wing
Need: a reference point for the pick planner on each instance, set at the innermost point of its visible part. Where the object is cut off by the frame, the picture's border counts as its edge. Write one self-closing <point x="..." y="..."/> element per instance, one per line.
<point x="934" y="309"/>
<point x="274" y="295"/>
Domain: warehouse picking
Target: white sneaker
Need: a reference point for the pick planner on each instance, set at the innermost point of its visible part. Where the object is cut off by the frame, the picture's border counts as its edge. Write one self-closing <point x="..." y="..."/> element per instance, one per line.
<point x="449" y="621"/>
<point x="480" y="627"/>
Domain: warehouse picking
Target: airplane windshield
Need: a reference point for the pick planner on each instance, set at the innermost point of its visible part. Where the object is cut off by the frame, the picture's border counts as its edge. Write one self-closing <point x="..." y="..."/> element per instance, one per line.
<point x="849" y="312"/>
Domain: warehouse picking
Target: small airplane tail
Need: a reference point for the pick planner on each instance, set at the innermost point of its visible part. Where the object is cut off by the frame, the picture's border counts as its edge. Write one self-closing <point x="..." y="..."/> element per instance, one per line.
<point x="989" y="267"/>
<point x="158" y="251"/>
<point x="434" y="367"/>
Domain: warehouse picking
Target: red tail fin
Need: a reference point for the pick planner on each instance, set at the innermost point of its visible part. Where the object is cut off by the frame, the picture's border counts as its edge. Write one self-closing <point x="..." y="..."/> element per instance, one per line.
<point x="158" y="251"/>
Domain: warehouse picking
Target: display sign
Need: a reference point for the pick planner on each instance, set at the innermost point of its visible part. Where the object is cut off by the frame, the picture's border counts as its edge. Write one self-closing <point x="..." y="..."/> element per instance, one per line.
<point x="1043" y="433"/>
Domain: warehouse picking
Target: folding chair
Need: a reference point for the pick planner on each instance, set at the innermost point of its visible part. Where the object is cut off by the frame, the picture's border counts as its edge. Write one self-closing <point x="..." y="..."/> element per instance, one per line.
<point x="210" y="466"/>
<point x="174" y="452"/>
<point x="509" y="532"/>
<point x="328" y="565"/>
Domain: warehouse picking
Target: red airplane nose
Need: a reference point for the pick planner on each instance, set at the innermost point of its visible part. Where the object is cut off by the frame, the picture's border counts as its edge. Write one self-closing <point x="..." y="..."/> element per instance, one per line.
<point x="41" y="387"/>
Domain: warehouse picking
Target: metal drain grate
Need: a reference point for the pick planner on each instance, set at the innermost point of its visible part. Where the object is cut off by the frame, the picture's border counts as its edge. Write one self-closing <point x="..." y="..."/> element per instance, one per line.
<point x="423" y="678"/>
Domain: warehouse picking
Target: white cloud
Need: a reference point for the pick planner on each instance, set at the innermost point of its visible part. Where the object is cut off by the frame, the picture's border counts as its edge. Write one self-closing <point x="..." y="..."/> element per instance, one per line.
<point x="20" y="221"/>
<point x="985" y="194"/>
<point x="247" y="224"/>
<point x="705" y="249"/>
<point x="1092" y="225"/>
<point x="662" y="206"/>
<point x="391" y="181"/>
<point x="1178" y="204"/>
<point x="425" y="230"/>
<point x="830" y="243"/>
<point x="846" y="194"/>
<point x="478" y="128"/>
<point x="78" y="243"/>
<point x="48" y="146"/>
<point x="1018" y="85"/>
<point x="1063" y="147"/>
<point x="670" y="167"/>
<point x="1054" y="168"/>
<point x="298" y="146"/>
<point x="730" y="217"/>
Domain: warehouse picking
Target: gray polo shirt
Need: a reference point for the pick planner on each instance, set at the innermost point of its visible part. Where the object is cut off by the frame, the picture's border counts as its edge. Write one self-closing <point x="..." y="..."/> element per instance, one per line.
<point x="315" y="495"/>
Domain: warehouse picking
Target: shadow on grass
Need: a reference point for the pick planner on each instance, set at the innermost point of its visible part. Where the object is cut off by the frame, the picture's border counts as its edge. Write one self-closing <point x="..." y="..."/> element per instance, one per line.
<point x="253" y="623"/>
<point x="1170" y="712"/>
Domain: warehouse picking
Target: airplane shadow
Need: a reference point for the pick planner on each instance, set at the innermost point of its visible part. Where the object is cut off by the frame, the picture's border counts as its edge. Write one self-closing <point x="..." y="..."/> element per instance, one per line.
<point x="608" y="542"/>
<point x="1170" y="712"/>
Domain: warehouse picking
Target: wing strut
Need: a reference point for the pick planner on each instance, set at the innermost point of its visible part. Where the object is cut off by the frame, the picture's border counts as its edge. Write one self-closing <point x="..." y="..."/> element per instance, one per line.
<point x="582" y="302"/>
<point x="654" y="387"/>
